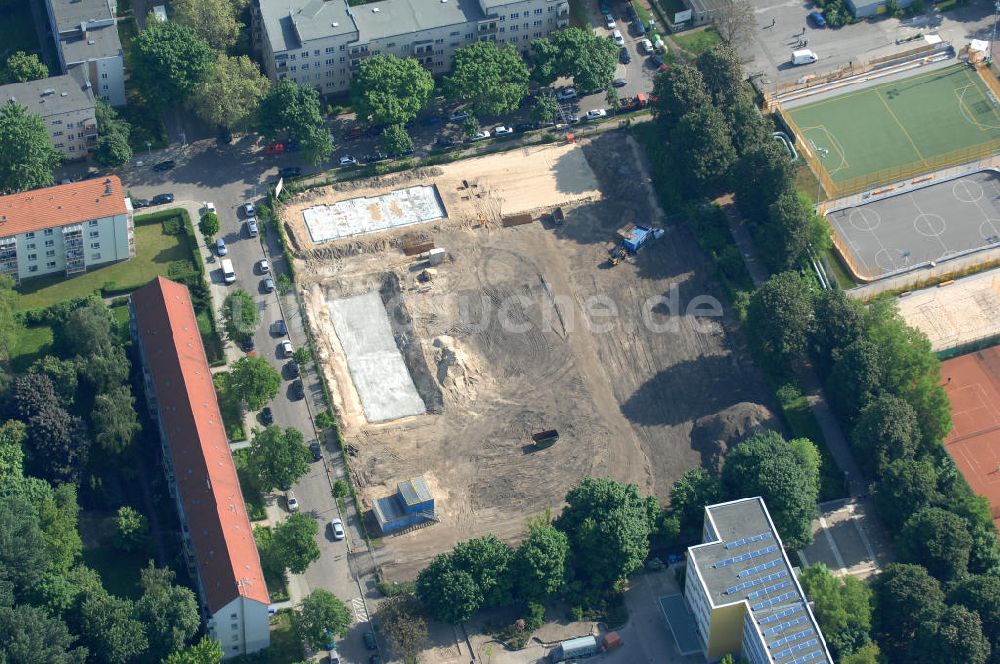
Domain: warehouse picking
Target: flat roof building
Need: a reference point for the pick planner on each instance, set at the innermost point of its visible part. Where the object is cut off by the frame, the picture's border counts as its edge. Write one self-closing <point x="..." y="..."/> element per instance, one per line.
<point x="86" y="37"/>
<point x="66" y="105"/>
<point x="744" y="594"/>
<point x="218" y="540"/>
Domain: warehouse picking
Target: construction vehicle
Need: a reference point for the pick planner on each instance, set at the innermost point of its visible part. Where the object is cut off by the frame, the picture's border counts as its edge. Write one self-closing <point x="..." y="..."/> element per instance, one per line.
<point x="618" y="254"/>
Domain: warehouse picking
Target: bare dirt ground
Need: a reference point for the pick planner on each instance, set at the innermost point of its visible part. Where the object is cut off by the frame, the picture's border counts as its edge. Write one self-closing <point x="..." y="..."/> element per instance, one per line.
<point x="528" y="328"/>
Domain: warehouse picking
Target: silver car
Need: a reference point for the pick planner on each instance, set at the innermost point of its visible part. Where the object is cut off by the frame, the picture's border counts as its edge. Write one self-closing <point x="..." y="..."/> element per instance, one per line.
<point x="337" y="526"/>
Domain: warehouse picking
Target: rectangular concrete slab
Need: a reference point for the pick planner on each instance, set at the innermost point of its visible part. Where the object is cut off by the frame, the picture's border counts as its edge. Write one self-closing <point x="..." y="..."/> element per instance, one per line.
<point x="357" y="216"/>
<point x="380" y="376"/>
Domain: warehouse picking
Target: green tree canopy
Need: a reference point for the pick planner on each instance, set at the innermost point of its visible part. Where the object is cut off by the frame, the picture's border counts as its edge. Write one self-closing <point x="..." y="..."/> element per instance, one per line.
<point x="27" y="156"/>
<point x="401" y="620"/>
<point x="938" y="540"/>
<point x="293" y="542"/>
<point x="840" y="321"/>
<point x="253" y="380"/>
<point x="842" y="607"/>
<point x="12" y="436"/>
<point x="292" y="111"/>
<point x="231" y="93"/>
<point x="214" y="21"/>
<point x="492" y="79"/>
<point x="702" y="147"/>
<point x="780" y="316"/>
<point x="115" y="420"/>
<point x="22" y="67"/>
<point x="487" y="560"/>
<point x="23" y="559"/>
<point x="867" y="654"/>
<point x="208" y="226"/>
<point x="589" y="59"/>
<point x="886" y="430"/>
<point x="88" y="329"/>
<point x="240" y="316"/>
<point x="954" y="636"/>
<point x="767" y="465"/>
<point x="689" y="495"/>
<point x="10" y="323"/>
<point x="979" y="593"/>
<point x="906" y="486"/>
<point x="390" y="90"/>
<point x="906" y="597"/>
<point x="539" y="565"/>
<point x="396" y="140"/>
<point x="278" y="457"/>
<point x="791" y="231"/>
<point x="723" y="74"/>
<point x="171" y="617"/>
<point x="545" y="108"/>
<point x="205" y="651"/>
<point x="30" y="634"/>
<point x="168" y="60"/>
<point x="760" y="176"/>
<point x="747" y="127"/>
<point x="321" y="611"/>
<point x="450" y="594"/>
<point x="113" y="147"/>
<point x="131" y="528"/>
<point x="677" y="92"/>
<point x="856" y="377"/>
<point x="111" y="629"/>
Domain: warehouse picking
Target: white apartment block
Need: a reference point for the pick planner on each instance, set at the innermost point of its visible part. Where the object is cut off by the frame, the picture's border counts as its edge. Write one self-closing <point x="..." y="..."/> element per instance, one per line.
<point x="65" y="229"/>
<point x="86" y="38"/>
<point x="744" y="594"/>
<point x="319" y="43"/>
<point x="66" y="105"/>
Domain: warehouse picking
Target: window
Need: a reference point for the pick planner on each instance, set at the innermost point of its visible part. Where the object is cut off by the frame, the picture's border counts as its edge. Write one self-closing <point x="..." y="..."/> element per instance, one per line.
<point x="95" y="245"/>
<point x="72" y="148"/>
<point x="50" y="253"/>
<point x="48" y="231"/>
<point x="513" y="28"/>
<point x="468" y="36"/>
<point x="330" y="49"/>
<point x="537" y="12"/>
<point x="343" y="59"/>
<point x="305" y="66"/>
<point x="455" y="34"/>
<point x="329" y="61"/>
<point x="32" y="257"/>
<point x="232" y="616"/>
<point x="30" y="245"/>
<point x="391" y="45"/>
<point x="294" y="68"/>
<point x="515" y="15"/>
<point x="291" y="57"/>
<point x="29" y="235"/>
<point x="105" y="86"/>
<point x="57" y="122"/>
<point x="537" y="23"/>
<point x="95" y="257"/>
<point x="550" y="9"/>
<point x="59" y="145"/>
<point x="95" y="233"/>
<point x="455" y="44"/>
<point x="236" y="637"/>
<point x="343" y="47"/>
<point x="304" y="54"/>
<point x="104" y="75"/>
<point x="32" y="268"/>
<point x="537" y="35"/>
<point x="235" y="626"/>
<point x="92" y="222"/>
<point x="50" y="243"/>
<point x="79" y="134"/>
<point x="438" y="41"/>
<point x="57" y="133"/>
<point x="316" y="52"/>
<point x="50" y="265"/>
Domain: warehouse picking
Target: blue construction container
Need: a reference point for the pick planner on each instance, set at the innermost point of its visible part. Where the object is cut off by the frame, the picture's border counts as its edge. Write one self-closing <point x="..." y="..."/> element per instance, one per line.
<point x="410" y="505"/>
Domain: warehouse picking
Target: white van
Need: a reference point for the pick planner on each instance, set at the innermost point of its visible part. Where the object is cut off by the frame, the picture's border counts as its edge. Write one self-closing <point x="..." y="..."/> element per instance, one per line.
<point x="804" y="57"/>
<point x="228" y="273"/>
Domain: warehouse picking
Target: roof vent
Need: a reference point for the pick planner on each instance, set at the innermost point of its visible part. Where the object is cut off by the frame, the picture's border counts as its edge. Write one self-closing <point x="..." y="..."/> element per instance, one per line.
<point x="90" y="42"/>
<point x="375" y="10"/>
<point x="335" y="24"/>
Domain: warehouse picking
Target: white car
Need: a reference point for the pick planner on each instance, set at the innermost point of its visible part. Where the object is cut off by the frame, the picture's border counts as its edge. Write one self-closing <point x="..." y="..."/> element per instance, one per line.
<point x="646" y="46"/>
<point x="252" y="227"/>
<point x="207" y="207"/>
<point x="337" y="526"/>
<point x="286" y="348"/>
<point x="458" y="116"/>
<point x="502" y="130"/>
<point x="263" y="266"/>
<point x="291" y="501"/>
<point x="566" y="95"/>
<point x="596" y="113"/>
<point x="249" y="210"/>
<point x="617" y="36"/>
<point x="481" y="135"/>
<point x="610" y="22"/>
<point x="348" y="160"/>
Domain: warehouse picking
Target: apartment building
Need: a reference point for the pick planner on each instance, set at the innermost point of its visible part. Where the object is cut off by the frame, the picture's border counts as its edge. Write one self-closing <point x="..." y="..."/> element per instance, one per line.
<point x="218" y="541"/>
<point x="320" y="43"/>
<point x="86" y="37"/>
<point x="65" y="229"/>
<point x="744" y="594"/>
<point x="66" y="105"/>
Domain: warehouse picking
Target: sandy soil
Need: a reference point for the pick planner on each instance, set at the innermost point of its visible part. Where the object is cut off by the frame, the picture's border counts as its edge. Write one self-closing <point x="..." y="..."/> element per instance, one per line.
<point x="526" y="329"/>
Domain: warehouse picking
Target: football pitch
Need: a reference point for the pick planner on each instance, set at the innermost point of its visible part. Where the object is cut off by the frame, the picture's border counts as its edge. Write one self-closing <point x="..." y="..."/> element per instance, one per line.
<point x="901" y="128"/>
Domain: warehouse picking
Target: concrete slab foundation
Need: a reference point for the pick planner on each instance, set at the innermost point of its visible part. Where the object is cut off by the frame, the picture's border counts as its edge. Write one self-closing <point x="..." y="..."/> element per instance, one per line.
<point x="357" y="216"/>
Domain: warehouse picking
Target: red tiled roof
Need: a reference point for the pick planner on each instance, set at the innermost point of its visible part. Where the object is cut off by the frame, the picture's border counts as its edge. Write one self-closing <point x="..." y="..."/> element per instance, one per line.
<point x="203" y="465"/>
<point x="61" y="205"/>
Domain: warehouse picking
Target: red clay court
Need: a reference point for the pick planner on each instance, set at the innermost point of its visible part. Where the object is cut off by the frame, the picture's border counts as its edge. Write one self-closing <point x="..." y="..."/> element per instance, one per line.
<point x="973" y="384"/>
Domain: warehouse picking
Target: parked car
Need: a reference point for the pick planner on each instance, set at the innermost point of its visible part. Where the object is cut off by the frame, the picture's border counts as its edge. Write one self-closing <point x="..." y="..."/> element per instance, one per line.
<point x="623" y="56"/>
<point x="566" y="94"/>
<point x="162" y="199"/>
<point x="279" y="327"/>
<point x="596" y="113"/>
<point x="249" y="210"/>
<point x="263" y="266"/>
<point x="617" y="36"/>
<point x="481" y="135"/>
<point x="291" y="501"/>
<point x="266" y="416"/>
<point x="248" y="344"/>
<point x="370" y="640"/>
<point x="298" y="390"/>
<point x="522" y="127"/>
<point x="140" y="203"/>
<point x="220" y="246"/>
<point x="817" y="19"/>
<point x="348" y="160"/>
<point x="656" y="60"/>
<point x="252" y="229"/>
<point x="445" y="142"/>
<point x="337" y="526"/>
<point x="293" y="369"/>
<point x="619" y="82"/>
<point x="458" y="116"/>
<point x="289" y="172"/>
<point x="609" y="21"/>
<point x="605" y="9"/>
<point x="375" y="157"/>
<point x="286" y="348"/>
<point x="503" y="130"/>
<point x="645" y="46"/>
<point x="267" y="285"/>
<point x="207" y="207"/>
<point x="164" y="166"/>
<point x="316" y="450"/>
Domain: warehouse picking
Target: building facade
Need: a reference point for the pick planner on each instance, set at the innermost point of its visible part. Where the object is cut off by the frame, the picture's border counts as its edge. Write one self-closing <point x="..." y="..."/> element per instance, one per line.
<point x="744" y="594"/>
<point x="67" y="228"/>
<point x="319" y="43"/>
<point x="86" y="38"/>
<point x="218" y="540"/>
<point x="66" y="105"/>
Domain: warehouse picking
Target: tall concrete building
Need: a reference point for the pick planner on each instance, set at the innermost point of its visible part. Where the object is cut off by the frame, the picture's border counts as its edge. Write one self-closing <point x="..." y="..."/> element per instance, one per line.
<point x="66" y="105"/>
<point x="67" y="228"/>
<point x="744" y="594"/>
<point x="86" y="37"/>
<point x="319" y="43"/>
<point x="218" y="540"/>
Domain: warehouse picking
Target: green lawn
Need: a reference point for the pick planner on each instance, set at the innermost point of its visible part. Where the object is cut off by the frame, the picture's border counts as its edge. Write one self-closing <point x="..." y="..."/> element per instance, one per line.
<point x="155" y="250"/>
<point x="697" y="42"/>
<point x="17" y="30"/>
<point x="119" y="569"/>
<point x="286" y="647"/>
<point x="32" y="344"/>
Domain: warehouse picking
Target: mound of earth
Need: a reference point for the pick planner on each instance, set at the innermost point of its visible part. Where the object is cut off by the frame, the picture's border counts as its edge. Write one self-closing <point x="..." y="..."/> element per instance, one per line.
<point x="456" y="371"/>
<point x="714" y="435"/>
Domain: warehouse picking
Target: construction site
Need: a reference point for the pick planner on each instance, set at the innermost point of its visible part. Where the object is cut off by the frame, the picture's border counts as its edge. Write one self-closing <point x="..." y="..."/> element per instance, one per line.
<point x="495" y="330"/>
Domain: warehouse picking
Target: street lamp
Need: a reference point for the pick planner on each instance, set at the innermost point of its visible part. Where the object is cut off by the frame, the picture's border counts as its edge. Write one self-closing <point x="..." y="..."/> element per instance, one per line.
<point x="149" y="148"/>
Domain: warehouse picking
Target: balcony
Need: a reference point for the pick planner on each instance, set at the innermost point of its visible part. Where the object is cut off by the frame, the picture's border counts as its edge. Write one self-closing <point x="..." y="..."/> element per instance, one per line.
<point x="562" y="22"/>
<point x="488" y="28"/>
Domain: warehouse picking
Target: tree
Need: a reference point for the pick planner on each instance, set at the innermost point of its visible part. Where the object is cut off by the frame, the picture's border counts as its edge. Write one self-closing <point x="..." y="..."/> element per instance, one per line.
<point x="792" y="230"/>
<point x="906" y="597"/>
<point x="760" y="176"/>
<point x="492" y="79"/>
<point x="539" y="565"/>
<point x="106" y="369"/>
<point x="209" y="225"/>
<point x="321" y="611"/>
<point x="767" y="465"/>
<point x="278" y="457"/>
<point x="253" y="380"/>
<point x="293" y="542"/>
<point x="171" y="617"/>
<point x="702" y="146"/>
<point x="689" y="495"/>
<point x="842" y="607"/>
<point x="232" y="92"/>
<point x="205" y="651"/>
<point x="954" y="636"/>
<point x="115" y="420"/>
<point x="87" y="329"/>
<point x="487" y="560"/>
<point x="113" y="150"/>
<point x="22" y="68"/>
<point x="131" y="528"/>
<point x="27" y="156"/>
<point x="867" y="654"/>
<point x="12" y="436"/>
<point x="886" y="430"/>
<point x="389" y="90"/>
<point x="450" y="594"/>
<point x="30" y="394"/>
<point x="906" y="486"/>
<point x="291" y="111"/>
<point x="608" y="526"/>
<point x="612" y="99"/>
<point x="58" y="517"/>
<point x="590" y="60"/>
<point x="780" y="317"/>
<point x="23" y="558"/>
<point x="111" y="630"/>
<point x="840" y="321"/>
<point x="856" y="377"/>
<point x="938" y="540"/>
<point x="240" y="316"/>
<point x="545" y="65"/>
<point x="723" y="74"/>
<point x="748" y="128"/>
<point x="59" y="445"/>
<point x="979" y="594"/>
<point x="396" y="140"/>
<point x="10" y="324"/>
<point x="677" y="92"/>
<point x="29" y="634"/>
<point x="735" y="20"/>
<point x="64" y="593"/>
<point x="168" y="60"/>
<point x="404" y="627"/>
<point x="214" y="21"/>
<point x="545" y="108"/>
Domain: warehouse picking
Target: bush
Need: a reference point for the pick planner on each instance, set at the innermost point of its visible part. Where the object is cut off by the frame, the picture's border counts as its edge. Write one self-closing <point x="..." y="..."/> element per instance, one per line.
<point x="340" y="489"/>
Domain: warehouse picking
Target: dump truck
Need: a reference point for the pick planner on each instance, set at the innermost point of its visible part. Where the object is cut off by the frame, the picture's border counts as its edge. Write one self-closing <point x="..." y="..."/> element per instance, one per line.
<point x="545" y="439"/>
